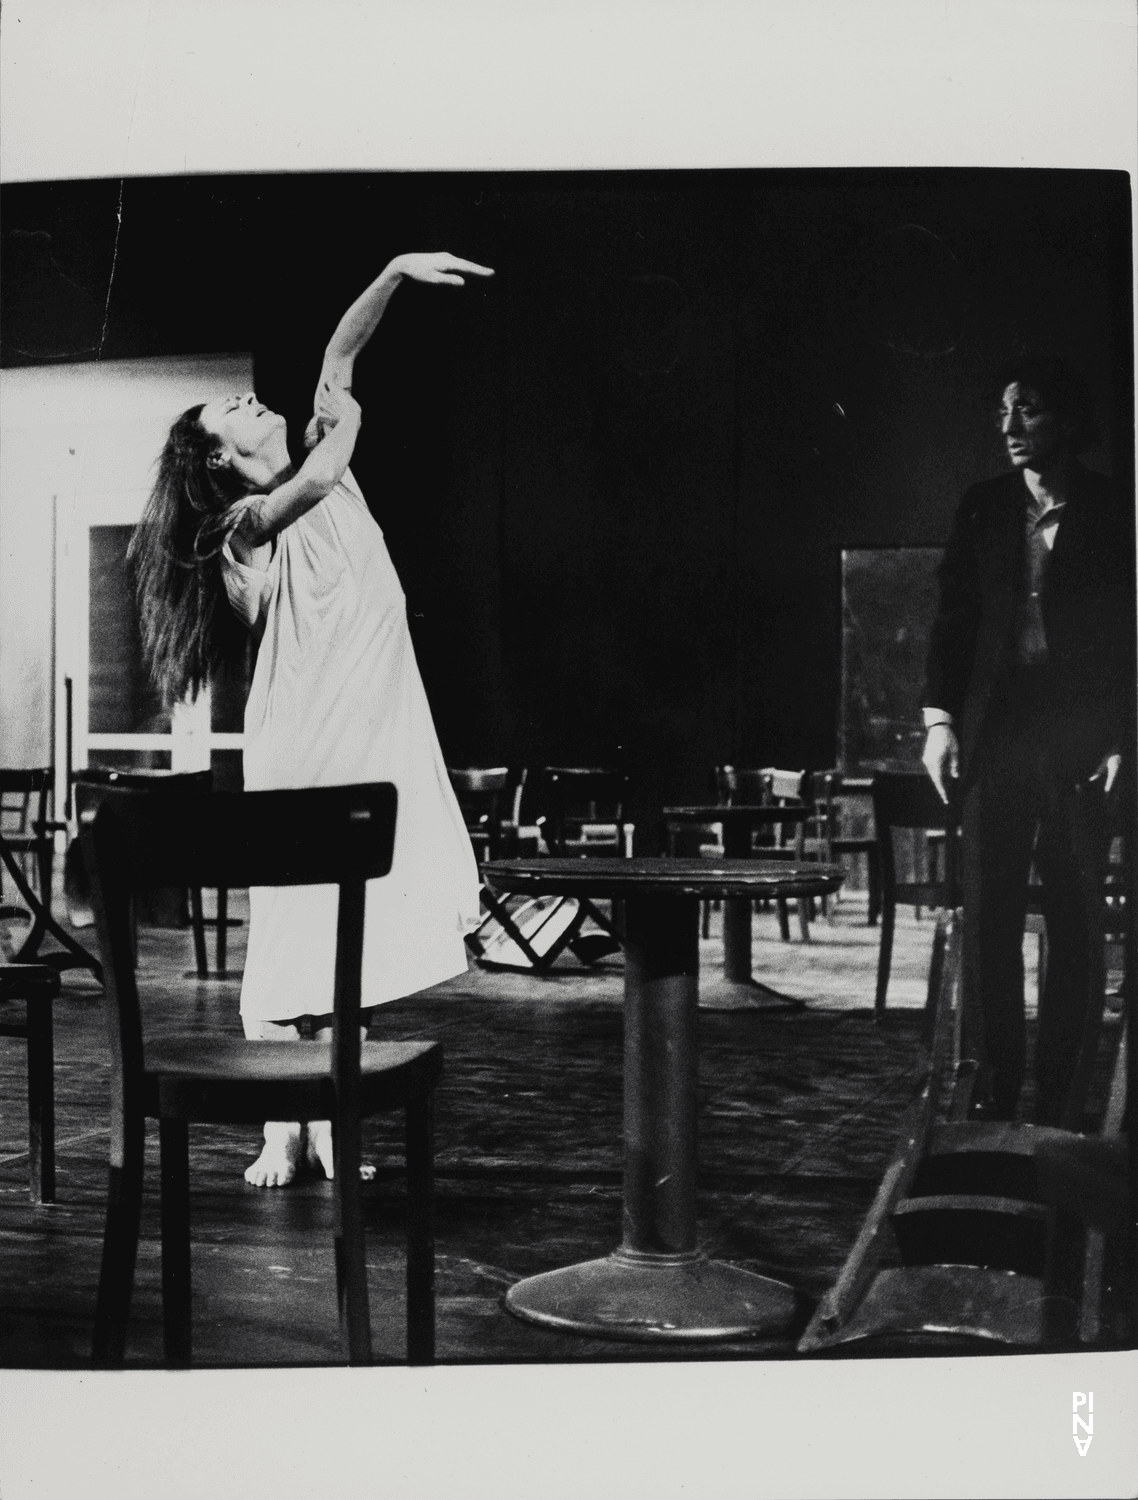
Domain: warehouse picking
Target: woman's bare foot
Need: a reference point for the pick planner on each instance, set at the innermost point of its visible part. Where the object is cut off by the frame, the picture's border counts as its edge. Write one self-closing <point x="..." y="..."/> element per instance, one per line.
<point x="276" y="1165"/>
<point x="319" y="1149"/>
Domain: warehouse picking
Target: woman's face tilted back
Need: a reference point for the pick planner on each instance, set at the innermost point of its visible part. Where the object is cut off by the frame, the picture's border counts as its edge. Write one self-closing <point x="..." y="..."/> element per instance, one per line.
<point x="252" y="438"/>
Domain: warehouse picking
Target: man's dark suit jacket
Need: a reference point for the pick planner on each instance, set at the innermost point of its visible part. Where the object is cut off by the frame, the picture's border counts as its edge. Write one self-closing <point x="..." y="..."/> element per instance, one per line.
<point x="1087" y="605"/>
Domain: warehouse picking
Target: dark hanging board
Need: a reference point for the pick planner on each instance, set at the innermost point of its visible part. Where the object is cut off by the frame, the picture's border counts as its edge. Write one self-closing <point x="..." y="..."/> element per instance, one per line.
<point x="121" y="699"/>
<point x="889" y="598"/>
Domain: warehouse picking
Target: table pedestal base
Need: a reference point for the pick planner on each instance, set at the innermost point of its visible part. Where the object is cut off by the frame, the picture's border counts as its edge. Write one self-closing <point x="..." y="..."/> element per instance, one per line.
<point x="628" y="1295"/>
<point x="749" y="994"/>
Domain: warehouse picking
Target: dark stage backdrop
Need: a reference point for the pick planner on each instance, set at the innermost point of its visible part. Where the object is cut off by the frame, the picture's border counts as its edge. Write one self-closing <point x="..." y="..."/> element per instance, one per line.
<point x="617" y="480"/>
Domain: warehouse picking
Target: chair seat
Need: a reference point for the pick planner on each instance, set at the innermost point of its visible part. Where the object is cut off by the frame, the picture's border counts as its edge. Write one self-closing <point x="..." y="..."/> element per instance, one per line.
<point x="958" y="1301"/>
<point x="230" y="1080"/>
<point x="1082" y="1174"/>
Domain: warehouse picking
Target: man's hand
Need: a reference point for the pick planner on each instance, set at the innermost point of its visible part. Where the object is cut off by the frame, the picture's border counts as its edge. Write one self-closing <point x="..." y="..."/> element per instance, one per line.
<point x="1108" y="770"/>
<point x="941" y="757"/>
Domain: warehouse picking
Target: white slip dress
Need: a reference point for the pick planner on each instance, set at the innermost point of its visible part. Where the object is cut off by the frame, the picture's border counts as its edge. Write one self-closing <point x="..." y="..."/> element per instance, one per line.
<point x="337" y="699"/>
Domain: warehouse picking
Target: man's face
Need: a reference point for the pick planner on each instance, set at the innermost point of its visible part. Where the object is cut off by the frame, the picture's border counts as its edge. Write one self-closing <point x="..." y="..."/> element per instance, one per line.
<point x="1034" y="434"/>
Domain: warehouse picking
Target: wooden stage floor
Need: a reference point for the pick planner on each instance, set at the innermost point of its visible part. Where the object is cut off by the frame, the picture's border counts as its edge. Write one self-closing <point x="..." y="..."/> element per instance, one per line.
<point x="798" y="1112"/>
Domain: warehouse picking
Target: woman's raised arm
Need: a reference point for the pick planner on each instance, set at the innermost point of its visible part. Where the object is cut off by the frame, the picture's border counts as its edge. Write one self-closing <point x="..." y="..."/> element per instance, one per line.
<point x="437" y="268"/>
<point x="321" y="471"/>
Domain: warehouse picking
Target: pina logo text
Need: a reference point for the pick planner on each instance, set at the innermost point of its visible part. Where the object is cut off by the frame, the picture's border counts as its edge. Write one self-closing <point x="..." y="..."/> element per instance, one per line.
<point x="1078" y="1399"/>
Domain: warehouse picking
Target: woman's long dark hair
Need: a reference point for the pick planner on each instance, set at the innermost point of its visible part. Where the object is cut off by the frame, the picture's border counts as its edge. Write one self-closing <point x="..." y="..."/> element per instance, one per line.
<point x="188" y="628"/>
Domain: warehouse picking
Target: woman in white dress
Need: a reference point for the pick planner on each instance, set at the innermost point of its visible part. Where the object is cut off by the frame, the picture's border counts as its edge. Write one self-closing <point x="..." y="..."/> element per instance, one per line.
<point x="236" y="538"/>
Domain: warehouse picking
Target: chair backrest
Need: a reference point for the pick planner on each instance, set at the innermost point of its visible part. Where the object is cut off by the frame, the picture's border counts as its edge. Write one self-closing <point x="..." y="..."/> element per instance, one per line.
<point x="789" y="789"/>
<point x="520" y="775"/>
<point x="785" y="786"/>
<point x="577" y="802"/>
<point x="908" y="800"/>
<point x="18" y="788"/>
<point x="480" y="792"/>
<point x="766" y="787"/>
<point x="91" y="785"/>
<point x="843" y="806"/>
<point x="471" y="780"/>
<point x="1117" y="884"/>
<point x="827" y="789"/>
<point x="736" y="784"/>
<point x="342" y="836"/>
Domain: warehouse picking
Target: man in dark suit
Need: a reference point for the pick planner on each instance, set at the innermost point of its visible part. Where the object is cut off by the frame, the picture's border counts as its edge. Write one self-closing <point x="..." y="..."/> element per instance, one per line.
<point x="1029" y="683"/>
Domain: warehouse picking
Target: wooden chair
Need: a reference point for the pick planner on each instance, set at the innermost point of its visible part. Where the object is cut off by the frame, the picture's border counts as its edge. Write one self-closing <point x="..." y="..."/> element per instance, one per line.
<point x="841" y="838"/>
<point x="480" y="792"/>
<point x="37" y="986"/>
<point x="739" y="784"/>
<point x="697" y="841"/>
<point x="24" y="825"/>
<point x="581" y="813"/>
<point x="770" y="787"/>
<point x="27" y="847"/>
<point x="791" y="841"/>
<point x="584" y="811"/>
<point x="908" y="800"/>
<point x="997" y="1231"/>
<point x="89" y="786"/>
<point x="490" y="799"/>
<point x="528" y="935"/>
<point x="325" y="836"/>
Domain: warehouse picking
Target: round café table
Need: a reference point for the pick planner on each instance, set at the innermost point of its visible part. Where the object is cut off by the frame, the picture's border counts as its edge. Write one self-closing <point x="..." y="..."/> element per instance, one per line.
<point x="739" y="822"/>
<point x="658" y="1285"/>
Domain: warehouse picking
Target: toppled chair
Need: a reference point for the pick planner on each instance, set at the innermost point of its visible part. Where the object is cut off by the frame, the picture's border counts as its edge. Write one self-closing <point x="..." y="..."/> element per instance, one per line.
<point x="980" y="1231"/>
<point x="583" y="812"/>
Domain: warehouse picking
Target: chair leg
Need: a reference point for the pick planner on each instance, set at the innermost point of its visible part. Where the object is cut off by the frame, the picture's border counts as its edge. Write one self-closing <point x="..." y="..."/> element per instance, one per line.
<point x="174" y="1145"/>
<point x="933" y="993"/>
<point x="873" y="879"/>
<point x="783" y="919"/>
<point x="197" y="921"/>
<point x="420" y="1232"/>
<point x="120" y="1247"/>
<point x="41" y="1103"/>
<point x="804" y="919"/>
<point x="222" y="928"/>
<point x="351" y="1259"/>
<point x="884" y="956"/>
<point x="1090" y="1311"/>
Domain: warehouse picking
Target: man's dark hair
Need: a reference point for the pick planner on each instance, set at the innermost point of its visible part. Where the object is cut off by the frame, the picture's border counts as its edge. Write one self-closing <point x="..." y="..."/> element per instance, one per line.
<point x="1061" y="389"/>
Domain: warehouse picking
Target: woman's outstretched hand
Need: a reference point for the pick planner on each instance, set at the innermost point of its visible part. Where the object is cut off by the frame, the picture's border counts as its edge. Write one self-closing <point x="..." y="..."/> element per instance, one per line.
<point x="438" y="267"/>
<point x="355" y="328"/>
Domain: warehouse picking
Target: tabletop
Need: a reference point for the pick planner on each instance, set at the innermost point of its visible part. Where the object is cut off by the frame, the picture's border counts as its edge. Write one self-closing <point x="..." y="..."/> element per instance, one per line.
<point x="664" y="876"/>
